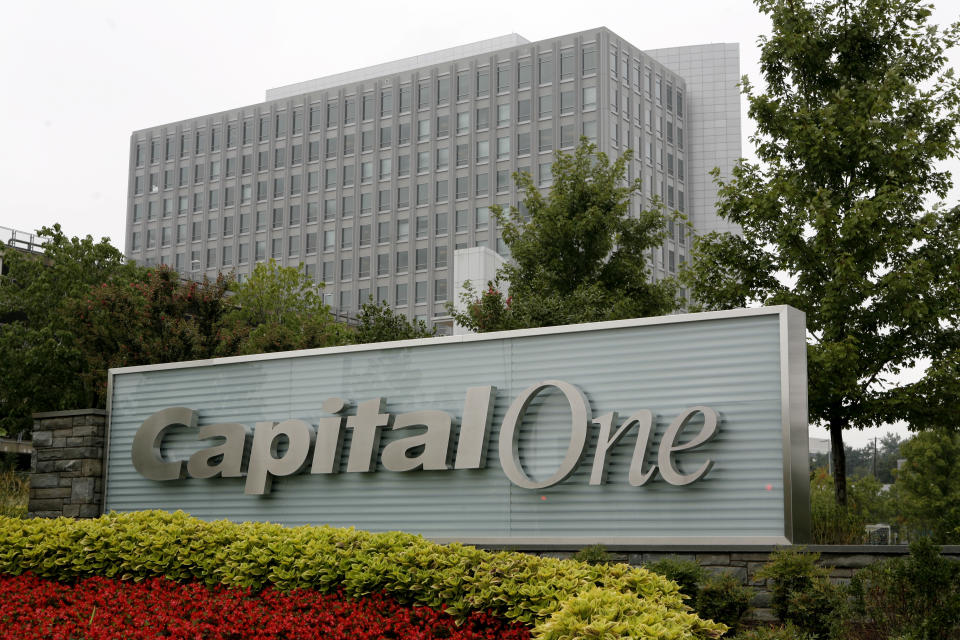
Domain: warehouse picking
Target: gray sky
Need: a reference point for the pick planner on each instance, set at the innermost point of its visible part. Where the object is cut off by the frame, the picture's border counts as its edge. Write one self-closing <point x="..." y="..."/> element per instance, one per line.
<point x="79" y="77"/>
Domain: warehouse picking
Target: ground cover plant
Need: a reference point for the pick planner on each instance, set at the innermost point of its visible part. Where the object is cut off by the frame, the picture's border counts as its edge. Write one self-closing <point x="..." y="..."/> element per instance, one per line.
<point x="100" y="608"/>
<point x="556" y="599"/>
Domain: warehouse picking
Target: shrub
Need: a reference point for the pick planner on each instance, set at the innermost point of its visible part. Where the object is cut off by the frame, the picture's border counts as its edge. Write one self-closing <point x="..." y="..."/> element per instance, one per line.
<point x="14" y="493"/>
<point x="722" y="598"/>
<point x="594" y="554"/>
<point x="686" y="573"/>
<point x="511" y="585"/>
<point x="801" y="591"/>
<point x="786" y="632"/>
<point x="916" y="597"/>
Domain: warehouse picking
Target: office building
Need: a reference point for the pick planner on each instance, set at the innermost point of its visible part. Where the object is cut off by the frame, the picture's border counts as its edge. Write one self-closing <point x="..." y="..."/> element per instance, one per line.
<point x="373" y="179"/>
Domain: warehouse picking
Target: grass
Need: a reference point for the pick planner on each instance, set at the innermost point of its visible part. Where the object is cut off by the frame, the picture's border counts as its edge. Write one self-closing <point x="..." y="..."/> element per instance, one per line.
<point x="14" y="491"/>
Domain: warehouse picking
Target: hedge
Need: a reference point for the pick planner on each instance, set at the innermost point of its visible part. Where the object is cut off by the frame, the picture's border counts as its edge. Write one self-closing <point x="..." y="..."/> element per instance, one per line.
<point x="559" y="599"/>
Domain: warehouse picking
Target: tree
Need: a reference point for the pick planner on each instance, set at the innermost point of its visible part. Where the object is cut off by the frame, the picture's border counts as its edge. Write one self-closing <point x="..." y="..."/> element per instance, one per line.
<point x="380" y="323"/>
<point x="856" y="115"/>
<point x="154" y="318"/>
<point x="928" y="485"/>
<point x="279" y="309"/>
<point x="579" y="256"/>
<point x="41" y="361"/>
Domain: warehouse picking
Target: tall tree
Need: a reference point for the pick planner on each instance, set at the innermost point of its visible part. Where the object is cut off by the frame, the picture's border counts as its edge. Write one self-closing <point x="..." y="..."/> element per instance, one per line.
<point x="281" y="308"/>
<point x="577" y="255"/>
<point x="857" y="112"/>
<point x="41" y="361"/>
<point x="928" y="485"/>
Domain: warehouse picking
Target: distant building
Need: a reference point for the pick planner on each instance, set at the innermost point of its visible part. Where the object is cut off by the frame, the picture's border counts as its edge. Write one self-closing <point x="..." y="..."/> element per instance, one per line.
<point x="374" y="178"/>
<point x="819" y="445"/>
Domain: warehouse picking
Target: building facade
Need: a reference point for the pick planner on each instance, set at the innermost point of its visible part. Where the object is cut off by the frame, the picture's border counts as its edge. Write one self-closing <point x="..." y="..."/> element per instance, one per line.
<point x="373" y="179"/>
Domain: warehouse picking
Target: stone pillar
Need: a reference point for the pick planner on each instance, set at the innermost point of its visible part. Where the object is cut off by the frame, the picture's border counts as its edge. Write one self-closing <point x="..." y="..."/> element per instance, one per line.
<point x="66" y="471"/>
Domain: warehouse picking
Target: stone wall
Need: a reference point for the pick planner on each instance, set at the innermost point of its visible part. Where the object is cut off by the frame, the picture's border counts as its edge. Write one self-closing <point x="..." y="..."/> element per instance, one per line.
<point x="67" y="464"/>
<point x="743" y="562"/>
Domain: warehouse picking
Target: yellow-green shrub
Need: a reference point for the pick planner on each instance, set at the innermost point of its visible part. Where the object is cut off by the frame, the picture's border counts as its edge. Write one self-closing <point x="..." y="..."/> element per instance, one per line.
<point x="513" y="585"/>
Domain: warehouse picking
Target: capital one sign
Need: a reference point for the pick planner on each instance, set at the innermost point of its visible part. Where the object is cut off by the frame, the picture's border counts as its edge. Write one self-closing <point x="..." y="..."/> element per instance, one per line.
<point x="680" y="428"/>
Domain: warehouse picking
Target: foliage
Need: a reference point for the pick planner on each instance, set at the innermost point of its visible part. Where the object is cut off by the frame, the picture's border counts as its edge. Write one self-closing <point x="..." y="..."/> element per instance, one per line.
<point x="801" y="591"/>
<point x="721" y="598"/>
<point x="579" y="256"/>
<point x="594" y="554"/>
<point x="868" y="461"/>
<point x="14" y="493"/>
<point x="686" y="573"/>
<point x="280" y="309"/>
<point x="41" y="362"/>
<point x="156" y="317"/>
<point x="867" y="503"/>
<point x="380" y="323"/>
<point x="487" y="310"/>
<point x="786" y="632"/>
<point x="928" y="485"/>
<point x="916" y="597"/>
<point x="856" y="115"/>
<point x="513" y="585"/>
<point x="102" y="609"/>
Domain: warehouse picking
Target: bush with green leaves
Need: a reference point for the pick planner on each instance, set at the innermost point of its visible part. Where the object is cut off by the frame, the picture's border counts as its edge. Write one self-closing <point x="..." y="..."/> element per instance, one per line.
<point x="916" y="597"/>
<point x="801" y="591"/>
<point x="558" y="598"/>
<point x="686" y="573"/>
<point x="785" y="632"/>
<point x="594" y="554"/>
<point x="721" y="598"/>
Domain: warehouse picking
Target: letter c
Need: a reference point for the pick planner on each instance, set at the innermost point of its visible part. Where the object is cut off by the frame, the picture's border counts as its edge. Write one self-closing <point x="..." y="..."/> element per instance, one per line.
<point x="145" y="452"/>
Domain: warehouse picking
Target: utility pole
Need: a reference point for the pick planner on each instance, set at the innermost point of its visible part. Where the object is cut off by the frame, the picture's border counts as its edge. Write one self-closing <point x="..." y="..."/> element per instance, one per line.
<point x="874" y="457"/>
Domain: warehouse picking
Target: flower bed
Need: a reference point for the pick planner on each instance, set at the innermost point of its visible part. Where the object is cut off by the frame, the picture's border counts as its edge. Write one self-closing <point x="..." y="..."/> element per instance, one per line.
<point x="100" y="608"/>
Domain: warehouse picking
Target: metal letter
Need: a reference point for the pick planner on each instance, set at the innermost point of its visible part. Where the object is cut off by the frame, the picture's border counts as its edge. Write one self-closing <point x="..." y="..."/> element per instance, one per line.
<point x="668" y="445"/>
<point x="329" y="442"/>
<point x="643" y="419"/>
<point x="435" y="442"/>
<point x="366" y="434"/>
<point x="509" y="451"/>
<point x="472" y="444"/>
<point x="231" y="449"/>
<point x="264" y="464"/>
<point x="146" y="450"/>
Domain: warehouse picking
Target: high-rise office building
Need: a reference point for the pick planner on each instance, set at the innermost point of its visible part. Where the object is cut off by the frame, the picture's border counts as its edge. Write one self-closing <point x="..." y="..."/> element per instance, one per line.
<point x="372" y="179"/>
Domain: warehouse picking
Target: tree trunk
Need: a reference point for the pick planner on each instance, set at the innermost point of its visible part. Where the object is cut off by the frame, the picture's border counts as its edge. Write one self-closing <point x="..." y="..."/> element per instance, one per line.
<point x="839" y="457"/>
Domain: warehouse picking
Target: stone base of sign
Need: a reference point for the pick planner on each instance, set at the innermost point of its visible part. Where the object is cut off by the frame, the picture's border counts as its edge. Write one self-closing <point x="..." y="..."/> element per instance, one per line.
<point x="743" y="563"/>
<point x="66" y="470"/>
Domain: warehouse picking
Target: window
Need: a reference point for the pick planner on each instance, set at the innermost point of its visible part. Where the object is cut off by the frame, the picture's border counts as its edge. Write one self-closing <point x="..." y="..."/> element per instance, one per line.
<point x="566" y="64"/>
<point x="404" y="134"/>
<point x="443" y="126"/>
<point x="346" y="268"/>
<point x="440" y="256"/>
<point x="545" y="68"/>
<point x="546" y="139"/>
<point x="294" y="217"/>
<point x="503" y="115"/>
<point x="503" y="148"/>
<point x="403" y="197"/>
<point x="679" y="104"/>
<point x="381" y="294"/>
<point x="363" y="267"/>
<point x="524" y="72"/>
<point x="406" y="93"/>
<point x="366" y="141"/>
<point x="503" y="77"/>
<point x="463" y="155"/>
<point x="296" y="157"/>
<point x="326" y="272"/>
<point x="589" y="58"/>
<point x="403" y="230"/>
<point x="383" y="232"/>
<point x="422" y="194"/>
<point x="482" y="184"/>
<point x="443" y="158"/>
<point x="293" y="246"/>
<point x="313" y="212"/>
<point x="328" y="239"/>
<point x="367" y="107"/>
<point x="386" y="103"/>
<point x="331" y="115"/>
<point x="441" y="223"/>
<point x="347" y="206"/>
<point x="313" y="181"/>
<point x="568" y="136"/>
<point x="281" y="124"/>
<point x="386" y="168"/>
<point x="567" y="102"/>
<point x="348" y="172"/>
<point x="423" y="161"/>
<point x="482" y="218"/>
<point x="440" y="191"/>
<point x="523" y="110"/>
<point x="421" y="259"/>
<point x="420" y="292"/>
<point x="401" y="298"/>
<point x="349" y="110"/>
<point x="423" y="94"/>
<point x="483" y="150"/>
<point x="227" y="226"/>
<point x="329" y="209"/>
<point x="590" y="130"/>
<point x="402" y="262"/>
<point x="440" y="289"/>
<point x="503" y="180"/>
<point x="366" y="203"/>
<point x="386" y="137"/>
<point x="463" y="85"/>
<point x="260" y="250"/>
<point x="295" y="181"/>
<point x="523" y="143"/>
<point x="423" y="227"/>
<point x="483" y="81"/>
<point x="246" y="165"/>
<point x="423" y="130"/>
<point x="278" y="187"/>
<point x="383" y="264"/>
<point x="346" y="238"/>
<point x="462" y="221"/>
<point x="545" y="108"/>
<point x="483" y="118"/>
<point x="383" y="200"/>
<point x="211" y="257"/>
<point x="589" y="98"/>
<point x="462" y="182"/>
<point x="366" y="172"/>
<point x="546" y="176"/>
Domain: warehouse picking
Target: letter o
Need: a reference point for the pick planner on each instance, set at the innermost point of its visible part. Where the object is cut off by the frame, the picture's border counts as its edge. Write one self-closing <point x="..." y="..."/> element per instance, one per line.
<point x="509" y="450"/>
